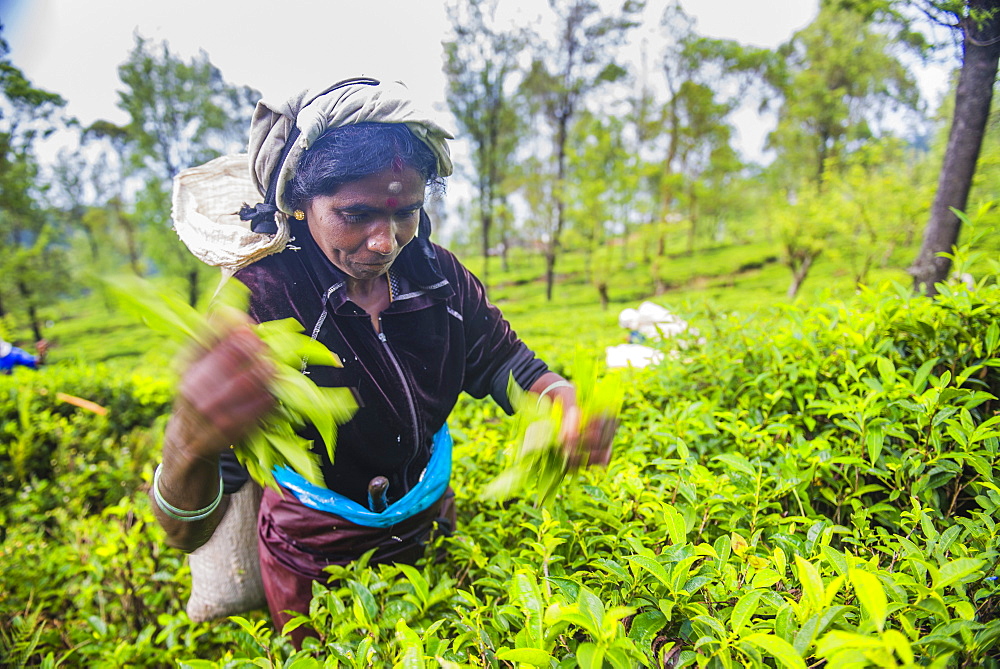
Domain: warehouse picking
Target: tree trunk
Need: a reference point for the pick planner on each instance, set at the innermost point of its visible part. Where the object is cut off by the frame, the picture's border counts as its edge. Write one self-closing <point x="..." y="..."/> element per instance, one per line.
<point x="36" y="323"/>
<point x="800" y="271"/>
<point x="194" y="291"/>
<point x="550" y="271"/>
<point x="504" y="247"/>
<point x="487" y="222"/>
<point x="131" y="241"/>
<point x="973" y="97"/>
<point x="602" y="290"/>
<point x="486" y="211"/>
<point x="550" y="258"/>
<point x="693" y="223"/>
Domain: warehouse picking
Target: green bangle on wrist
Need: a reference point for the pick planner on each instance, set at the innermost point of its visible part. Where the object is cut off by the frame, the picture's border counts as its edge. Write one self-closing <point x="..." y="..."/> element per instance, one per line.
<point x="182" y="514"/>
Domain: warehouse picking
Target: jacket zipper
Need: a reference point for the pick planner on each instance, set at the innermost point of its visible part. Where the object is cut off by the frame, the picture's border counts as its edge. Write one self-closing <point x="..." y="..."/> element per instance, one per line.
<point x="409" y="401"/>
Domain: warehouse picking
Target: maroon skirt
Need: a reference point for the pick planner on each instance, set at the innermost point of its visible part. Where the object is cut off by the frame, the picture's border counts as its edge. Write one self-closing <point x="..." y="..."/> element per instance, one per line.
<point x="297" y="543"/>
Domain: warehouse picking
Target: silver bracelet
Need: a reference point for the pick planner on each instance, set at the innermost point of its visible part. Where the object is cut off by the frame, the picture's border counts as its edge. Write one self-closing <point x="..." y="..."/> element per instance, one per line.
<point x="561" y="383"/>
<point x="182" y="514"/>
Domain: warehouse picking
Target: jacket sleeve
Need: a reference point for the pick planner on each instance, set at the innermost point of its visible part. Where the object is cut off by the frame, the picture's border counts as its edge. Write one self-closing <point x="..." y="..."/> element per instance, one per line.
<point x="493" y="350"/>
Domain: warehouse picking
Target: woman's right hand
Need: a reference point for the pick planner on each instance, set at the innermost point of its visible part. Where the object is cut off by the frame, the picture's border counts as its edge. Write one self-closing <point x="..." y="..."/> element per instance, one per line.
<point x="223" y="394"/>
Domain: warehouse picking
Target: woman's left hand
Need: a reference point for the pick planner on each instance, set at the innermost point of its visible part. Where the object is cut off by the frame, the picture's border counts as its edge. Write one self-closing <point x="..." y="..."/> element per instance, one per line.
<point x="585" y="445"/>
<point x="588" y="444"/>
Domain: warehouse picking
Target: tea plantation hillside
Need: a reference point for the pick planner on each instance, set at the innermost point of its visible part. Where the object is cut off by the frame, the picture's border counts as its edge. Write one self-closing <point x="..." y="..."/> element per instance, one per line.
<point x="742" y="277"/>
<point x="808" y="484"/>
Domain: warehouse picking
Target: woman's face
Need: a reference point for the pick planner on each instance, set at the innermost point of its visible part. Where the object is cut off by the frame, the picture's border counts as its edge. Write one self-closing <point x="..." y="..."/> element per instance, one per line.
<point x="363" y="225"/>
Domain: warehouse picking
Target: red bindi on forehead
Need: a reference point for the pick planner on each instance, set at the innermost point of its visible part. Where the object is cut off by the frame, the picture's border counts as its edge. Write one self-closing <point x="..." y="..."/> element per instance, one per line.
<point x="391" y="202"/>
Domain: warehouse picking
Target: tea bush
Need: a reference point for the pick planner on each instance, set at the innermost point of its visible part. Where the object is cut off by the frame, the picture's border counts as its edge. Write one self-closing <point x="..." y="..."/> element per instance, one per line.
<point x="810" y="486"/>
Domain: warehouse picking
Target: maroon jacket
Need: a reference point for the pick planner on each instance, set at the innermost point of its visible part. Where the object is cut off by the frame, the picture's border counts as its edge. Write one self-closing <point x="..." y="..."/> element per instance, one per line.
<point x="440" y="337"/>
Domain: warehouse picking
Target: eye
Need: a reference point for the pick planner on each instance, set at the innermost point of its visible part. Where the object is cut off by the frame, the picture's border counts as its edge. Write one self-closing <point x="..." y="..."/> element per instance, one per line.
<point x="353" y="217"/>
<point x="408" y="214"/>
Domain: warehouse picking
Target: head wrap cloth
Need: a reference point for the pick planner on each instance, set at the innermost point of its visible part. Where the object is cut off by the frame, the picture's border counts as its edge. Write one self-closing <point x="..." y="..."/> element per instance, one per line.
<point x="205" y="197"/>
<point x="313" y="112"/>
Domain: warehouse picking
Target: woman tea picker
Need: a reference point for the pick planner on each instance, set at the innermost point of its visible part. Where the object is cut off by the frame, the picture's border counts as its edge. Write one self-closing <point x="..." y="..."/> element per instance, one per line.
<point x="411" y="324"/>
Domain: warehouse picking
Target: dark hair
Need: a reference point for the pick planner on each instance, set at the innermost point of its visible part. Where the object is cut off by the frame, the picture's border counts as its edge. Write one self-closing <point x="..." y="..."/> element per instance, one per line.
<point x="351" y="152"/>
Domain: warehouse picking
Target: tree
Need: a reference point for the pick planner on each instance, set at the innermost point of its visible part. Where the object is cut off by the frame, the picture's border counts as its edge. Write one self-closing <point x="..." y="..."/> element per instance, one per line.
<point x="839" y="78"/>
<point x="181" y="114"/>
<point x="603" y="183"/>
<point x="978" y="22"/>
<point x="881" y="197"/>
<point x="109" y="178"/>
<point x="481" y="63"/>
<point x="804" y="227"/>
<point x="68" y="192"/>
<point x="561" y="78"/>
<point x="706" y="81"/>
<point x="31" y="267"/>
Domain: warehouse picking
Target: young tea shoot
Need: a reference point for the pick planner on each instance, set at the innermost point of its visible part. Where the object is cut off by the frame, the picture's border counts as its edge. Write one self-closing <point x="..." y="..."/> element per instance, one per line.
<point x="537" y="456"/>
<point x="300" y="401"/>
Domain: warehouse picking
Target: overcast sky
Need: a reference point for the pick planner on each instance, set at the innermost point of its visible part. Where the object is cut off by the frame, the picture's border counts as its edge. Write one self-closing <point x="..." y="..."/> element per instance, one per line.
<point x="73" y="47"/>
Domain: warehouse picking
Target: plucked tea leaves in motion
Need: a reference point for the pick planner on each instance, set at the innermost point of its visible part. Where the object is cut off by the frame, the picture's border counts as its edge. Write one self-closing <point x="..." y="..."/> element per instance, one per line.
<point x="537" y="458"/>
<point x="276" y="442"/>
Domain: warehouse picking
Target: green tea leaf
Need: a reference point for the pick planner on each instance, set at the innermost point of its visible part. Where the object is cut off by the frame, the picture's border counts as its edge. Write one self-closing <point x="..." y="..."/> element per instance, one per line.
<point x="745" y="607"/>
<point x="675" y="524"/>
<point x="537" y="458"/>
<point x="871" y="594"/>
<point x="777" y="648"/>
<point x="535" y="657"/>
<point x="652" y="566"/>
<point x="956" y="570"/>
<point x="812" y="582"/>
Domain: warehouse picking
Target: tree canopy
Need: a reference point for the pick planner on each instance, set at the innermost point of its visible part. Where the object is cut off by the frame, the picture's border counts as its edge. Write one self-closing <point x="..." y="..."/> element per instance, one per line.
<point x="581" y="137"/>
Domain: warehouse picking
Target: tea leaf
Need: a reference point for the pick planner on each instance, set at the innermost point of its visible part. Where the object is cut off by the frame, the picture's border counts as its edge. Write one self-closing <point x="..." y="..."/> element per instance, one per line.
<point x="777" y="648"/>
<point x="744" y="610"/>
<point x="533" y="656"/>
<point x="871" y="594"/>
<point x="956" y="570"/>
<point x="652" y="566"/>
<point x="676" y="525"/>
<point x="812" y="582"/>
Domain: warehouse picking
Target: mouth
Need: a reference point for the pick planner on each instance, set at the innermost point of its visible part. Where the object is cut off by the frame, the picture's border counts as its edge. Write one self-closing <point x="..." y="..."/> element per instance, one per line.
<point x="376" y="266"/>
<point x="379" y="259"/>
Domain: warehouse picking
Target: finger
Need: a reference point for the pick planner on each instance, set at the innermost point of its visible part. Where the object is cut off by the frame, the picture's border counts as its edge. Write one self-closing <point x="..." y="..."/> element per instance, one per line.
<point x="229" y="386"/>
<point x="599" y="435"/>
<point x="569" y="435"/>
<point x="239" y="350"/>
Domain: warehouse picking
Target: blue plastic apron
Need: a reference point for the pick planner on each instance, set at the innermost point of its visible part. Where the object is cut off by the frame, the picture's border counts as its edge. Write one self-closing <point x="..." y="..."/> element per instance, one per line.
<point x="432" y="485"/>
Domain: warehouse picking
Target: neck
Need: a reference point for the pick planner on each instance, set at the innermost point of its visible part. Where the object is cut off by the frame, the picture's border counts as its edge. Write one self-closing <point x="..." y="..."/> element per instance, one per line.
<point x="367" y="289"/>
<point x="371" y="295"/>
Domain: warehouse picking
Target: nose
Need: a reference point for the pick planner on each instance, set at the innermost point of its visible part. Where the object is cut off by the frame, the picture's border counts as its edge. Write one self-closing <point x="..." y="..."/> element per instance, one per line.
<point x="382" y="239"/>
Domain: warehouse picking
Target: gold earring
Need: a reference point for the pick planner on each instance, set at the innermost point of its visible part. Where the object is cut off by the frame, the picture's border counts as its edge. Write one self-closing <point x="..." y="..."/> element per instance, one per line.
<point x="299" y="215"/>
